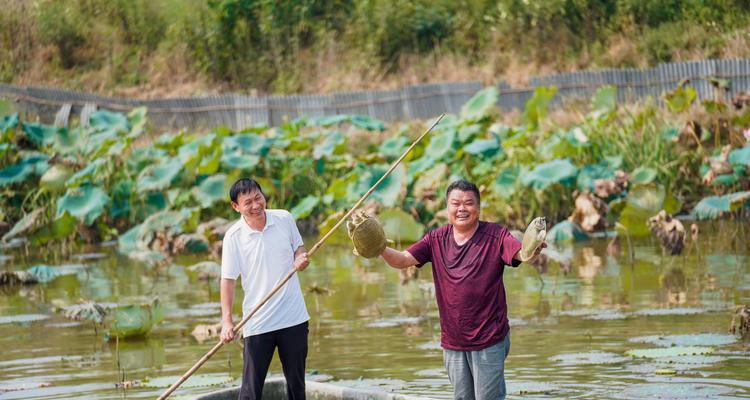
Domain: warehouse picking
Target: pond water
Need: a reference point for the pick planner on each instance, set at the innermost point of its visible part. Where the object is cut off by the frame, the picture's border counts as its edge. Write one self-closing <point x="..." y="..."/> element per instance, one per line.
<point x="570" y="329"/>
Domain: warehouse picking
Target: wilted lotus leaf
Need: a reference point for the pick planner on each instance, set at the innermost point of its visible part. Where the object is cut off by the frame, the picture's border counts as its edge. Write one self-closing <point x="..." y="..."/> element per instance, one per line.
<point x="24" y="225"/>
<point x="17" y="278"/>
<point x="85" y="203"/>
<point x="201" y="333"/>
<point x="713" y="207"/>
<point x="54" y="179"/>
<point x="590" y="213"/>
<point x="87" y="310"/>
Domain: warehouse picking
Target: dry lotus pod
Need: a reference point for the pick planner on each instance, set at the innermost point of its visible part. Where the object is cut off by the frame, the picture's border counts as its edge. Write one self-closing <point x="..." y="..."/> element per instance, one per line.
<point x="367" y="234"/>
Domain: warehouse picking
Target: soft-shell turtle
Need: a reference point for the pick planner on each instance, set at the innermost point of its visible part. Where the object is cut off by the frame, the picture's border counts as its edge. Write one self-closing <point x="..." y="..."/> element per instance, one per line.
<point x="533" y="238"/>
<point x="367" y="234"/>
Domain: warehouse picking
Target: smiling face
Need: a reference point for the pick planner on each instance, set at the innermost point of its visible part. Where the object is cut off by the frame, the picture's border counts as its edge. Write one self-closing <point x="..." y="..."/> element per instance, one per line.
<point x="463" y="209"/>
<point x="251" y="205"/>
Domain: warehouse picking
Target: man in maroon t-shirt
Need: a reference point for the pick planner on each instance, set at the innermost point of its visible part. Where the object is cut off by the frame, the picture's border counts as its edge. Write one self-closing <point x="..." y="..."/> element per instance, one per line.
<point x="468" y="257"/>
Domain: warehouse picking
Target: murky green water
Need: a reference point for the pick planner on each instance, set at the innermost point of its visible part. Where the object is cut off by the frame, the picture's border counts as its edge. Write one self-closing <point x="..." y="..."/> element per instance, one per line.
<point x="569" y="336"/>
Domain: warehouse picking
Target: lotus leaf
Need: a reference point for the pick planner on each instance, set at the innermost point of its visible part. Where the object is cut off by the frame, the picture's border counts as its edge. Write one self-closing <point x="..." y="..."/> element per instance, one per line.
<point x="483" y="147"/>
<point x="669" y="351"/>
<point x="40" y="134"/>
<point x="388" y="192"/>
<point x="643" y="175"/>
<point x="505" y="182"/>
<point x="440" y="145"/>
<point x="430" y="180"/>
<point x="135" y="319"/>
<point x="400" y="226"/>
<point x="22" y="319"/>
<point x="642" y="203"/>
<point x="54" y="179"/>
<point x="366" y="122"/>
<point x="680" y="99"/>
<point x="481" y="105"/>
<point x="537" y="105"/>
<point x="713" y="207"/>
<point x="211" y="190"/>
<point x="239" y="161"/>
<point x="333" y="143"/>
<point x="7" y="123"/>
<point x="86" y="203"/>
<point x="468" y="132"/>
<point x="604" y="100"/>
<point x="87" y="310"/>
<point x="24" y="225"/>
<point x="560" y="171"/>
<point x="740" y="156"/>
<point x="566" y="231"/>
<point x="392" y="148"/>
<point x="702" y="339"/>
<point x="248" y="144"/>
<point x="192" y="382"/>
<point x="60" y="228"/>
<point x="158" y="177"/>
<point x="304" y="208"/>
<point x="104" y="120"/>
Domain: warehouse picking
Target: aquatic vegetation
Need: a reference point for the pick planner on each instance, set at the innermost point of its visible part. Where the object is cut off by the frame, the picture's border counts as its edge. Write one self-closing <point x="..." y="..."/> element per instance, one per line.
<point x="593" y="357"/>
<point x="669" y="351"/>
<point x="701" y="339"/>
<point x="197" y="380"/>
<point x="741" y="322"/>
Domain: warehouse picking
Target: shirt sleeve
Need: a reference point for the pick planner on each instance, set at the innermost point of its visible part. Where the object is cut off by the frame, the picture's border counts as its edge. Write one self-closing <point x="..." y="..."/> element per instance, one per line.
<point x="509" y="247"/>
<point x="296" y="237"/>
<point x="230" y="266"/>
<point x="421" y="251"/>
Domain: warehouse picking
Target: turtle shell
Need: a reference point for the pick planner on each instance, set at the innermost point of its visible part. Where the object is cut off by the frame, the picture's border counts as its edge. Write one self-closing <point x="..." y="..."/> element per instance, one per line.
<point x="533" y="237"/>
<point x="367" y="235"/>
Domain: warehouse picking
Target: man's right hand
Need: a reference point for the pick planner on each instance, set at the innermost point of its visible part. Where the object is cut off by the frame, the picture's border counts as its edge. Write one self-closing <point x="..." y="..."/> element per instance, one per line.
<point x="227" y="331"/>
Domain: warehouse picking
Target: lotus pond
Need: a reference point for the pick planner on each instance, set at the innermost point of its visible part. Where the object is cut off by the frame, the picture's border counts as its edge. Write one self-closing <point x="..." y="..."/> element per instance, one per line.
<point x="605" y="328"/>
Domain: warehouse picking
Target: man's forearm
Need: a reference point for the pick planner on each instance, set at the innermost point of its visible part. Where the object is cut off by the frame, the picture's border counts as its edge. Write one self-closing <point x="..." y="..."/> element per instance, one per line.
<point x="398" y="259"/>
<point x="227" y="298"/>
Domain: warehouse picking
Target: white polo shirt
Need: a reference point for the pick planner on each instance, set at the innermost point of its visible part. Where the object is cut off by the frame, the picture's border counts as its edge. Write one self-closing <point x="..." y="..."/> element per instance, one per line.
<point x="263" y="259"/>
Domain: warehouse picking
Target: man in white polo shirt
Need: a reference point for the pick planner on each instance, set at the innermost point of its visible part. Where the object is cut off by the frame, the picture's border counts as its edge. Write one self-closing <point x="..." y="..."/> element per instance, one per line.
<point x="262" y="247"/>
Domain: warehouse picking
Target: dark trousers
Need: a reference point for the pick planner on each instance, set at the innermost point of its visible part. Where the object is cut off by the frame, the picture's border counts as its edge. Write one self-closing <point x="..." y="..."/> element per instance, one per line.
<point x="292" y="344"/>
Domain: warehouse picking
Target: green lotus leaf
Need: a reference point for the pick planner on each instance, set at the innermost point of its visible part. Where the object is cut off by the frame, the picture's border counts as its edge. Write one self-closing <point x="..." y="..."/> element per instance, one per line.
<point x="713" y="207"/>
<point x="643" y="202"/>
<point x="128" y="241"/>
<point x="680" y="99"/>
<point x="392" y="148"/>
<point x="24" y="225"/>
<point x="483" y="147"/>
<point x="104" y="120"/>
<point x="68" y="141"/>
<point x="388" y="192"/>
<point x="328" y="120"/>
<point x="468" y="132"/>
<point x="192" y="382"/>
<point x="137" y="119"/>
<point x="726" y="180"/>
<point x="142" y="157"/>
<point x="247" y="144"/>
<point x="135" y="319"/>
<point x="419" y="165"/>
<point x="367" y="122"/>
<point x="605" y="100"/>
<point x="44" y="273"/>
<point x="431" y="179"/>
<point x="505" y="182"/>
<point x="481" y="105"/>
<point x="670" y="134"/>
<point x="305" y="207"/>
<point x="158" y="177"/>
<point x="333" y="143"/>
<point x="566" y="231"/>
<point x="99" y="143"/>
<point x="560" y="171"/>
<point x="669" y="351"/>
<point x="643" y="175"/>
<point x="9" y="122"/>
<point x="239" y="161"/>
<point x="16" y="173"/>
<point x="740" y="156"/>
<point x="86" y="203"/>
<point x="589" y="173"/>
<point x="441" y="145"/>
<point x="577" y="138"/>
<point x="401" y="226"/>
<point x="537" y="106"/>
<point x="192" y="153"/>
<point x="40" y="134"/>
<point x="87" y="174"/>
<point x="54" y="179"/>
<point x="170" y="142"/>
<point x="210" y="190"/>
<point x="210" y="163"/>
<point x="60" y="228"/>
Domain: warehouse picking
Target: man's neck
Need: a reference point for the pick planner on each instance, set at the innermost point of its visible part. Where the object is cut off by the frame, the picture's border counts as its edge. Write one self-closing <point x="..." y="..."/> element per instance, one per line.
<point x="462" y="235"/>
<point x="256" y="223"/>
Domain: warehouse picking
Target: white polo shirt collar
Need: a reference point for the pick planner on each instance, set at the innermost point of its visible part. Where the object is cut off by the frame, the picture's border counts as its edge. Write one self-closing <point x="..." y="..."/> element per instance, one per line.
<point x="249" y="230"/>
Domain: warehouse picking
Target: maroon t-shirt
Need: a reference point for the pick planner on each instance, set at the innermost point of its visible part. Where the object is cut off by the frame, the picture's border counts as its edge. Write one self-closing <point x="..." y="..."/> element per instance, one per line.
<point x="469" y="283"/>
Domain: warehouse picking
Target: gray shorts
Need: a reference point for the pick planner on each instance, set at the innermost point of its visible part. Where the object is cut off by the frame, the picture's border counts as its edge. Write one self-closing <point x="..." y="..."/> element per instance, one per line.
<point x="478" y="375"/>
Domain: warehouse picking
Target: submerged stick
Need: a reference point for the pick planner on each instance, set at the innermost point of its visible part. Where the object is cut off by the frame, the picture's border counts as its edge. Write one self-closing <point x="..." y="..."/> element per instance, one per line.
<point x="291" y="273"/>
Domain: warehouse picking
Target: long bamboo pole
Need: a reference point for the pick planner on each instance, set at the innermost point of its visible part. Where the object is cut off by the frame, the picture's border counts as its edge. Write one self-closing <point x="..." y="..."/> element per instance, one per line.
<point x="291" y="273"/>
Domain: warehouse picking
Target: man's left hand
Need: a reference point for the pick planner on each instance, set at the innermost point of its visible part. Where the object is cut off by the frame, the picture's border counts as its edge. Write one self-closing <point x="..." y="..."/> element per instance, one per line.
<point x="301" y="262"/>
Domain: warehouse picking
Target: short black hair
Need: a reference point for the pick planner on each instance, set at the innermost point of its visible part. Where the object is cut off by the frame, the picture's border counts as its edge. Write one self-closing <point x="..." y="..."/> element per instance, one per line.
<point x="464" y="186"/>
<point x="244" y="185"/>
